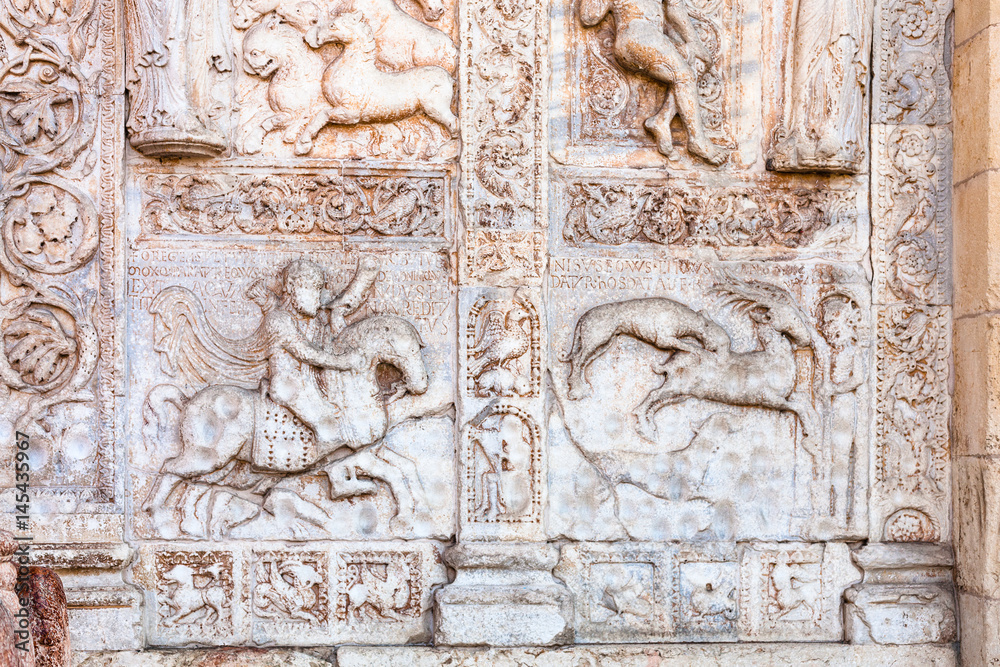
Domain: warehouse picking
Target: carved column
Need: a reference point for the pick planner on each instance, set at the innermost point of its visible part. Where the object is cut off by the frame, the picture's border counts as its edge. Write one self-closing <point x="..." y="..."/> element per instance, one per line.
<point x="504" y="592"/>
<point x="911" y="255"/>
<point x="977" y="330"/>
<point x="174" y="48"/>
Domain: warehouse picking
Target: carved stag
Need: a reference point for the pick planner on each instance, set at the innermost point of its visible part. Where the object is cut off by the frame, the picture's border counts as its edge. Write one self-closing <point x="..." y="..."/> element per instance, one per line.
<point x="702" y="363"/>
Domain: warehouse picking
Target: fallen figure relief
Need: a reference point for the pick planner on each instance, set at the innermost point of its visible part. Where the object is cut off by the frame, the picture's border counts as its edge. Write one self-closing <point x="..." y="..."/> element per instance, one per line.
<point x="304" y="393"/>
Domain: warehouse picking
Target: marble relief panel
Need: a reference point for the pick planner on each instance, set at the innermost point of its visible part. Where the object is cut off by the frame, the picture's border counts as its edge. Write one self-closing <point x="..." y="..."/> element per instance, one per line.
<point x="60" y="143"/>
<point x="642" y="350"/>
<point x="204" y="320"/>
<point x="773" y="459"/>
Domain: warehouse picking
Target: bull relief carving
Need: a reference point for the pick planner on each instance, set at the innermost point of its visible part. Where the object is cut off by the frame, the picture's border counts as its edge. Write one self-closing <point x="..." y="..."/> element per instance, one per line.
<point x="179" y="52"/>
<point x="366" y="63"/>
<point x="823" y="125"/>
<point x="277" y="427"/>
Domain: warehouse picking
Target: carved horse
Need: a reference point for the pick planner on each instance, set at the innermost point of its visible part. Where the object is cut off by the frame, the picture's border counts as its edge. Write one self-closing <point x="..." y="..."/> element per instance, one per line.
<point x="359" y="92"/>
<point x="401" y="41"/>
<point x="223" y="424"/>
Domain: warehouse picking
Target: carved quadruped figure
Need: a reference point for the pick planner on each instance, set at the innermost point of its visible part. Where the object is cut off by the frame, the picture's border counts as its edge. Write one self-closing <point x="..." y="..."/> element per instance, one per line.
<point x="274" y="51"/>
<point x="190" y="603"/>
<point x="359" y="92"/>
<point x="307" y="93"/>
<point x="300" y="393"/>
<point x="401" y="41"/>
<point x="289" y="589"/>
<point x="795" y="588"/>
<point x="762" y="378"/>
<point x="642" y="46"/>
<point x="663" y="323"/>
<point x="702" y="364"/>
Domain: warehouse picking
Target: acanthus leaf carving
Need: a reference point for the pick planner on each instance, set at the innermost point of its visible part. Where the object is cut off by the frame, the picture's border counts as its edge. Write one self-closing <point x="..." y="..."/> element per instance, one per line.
<point x="910" y="242"/>
<point x="261" y="204"/>
<point x="912" y="447"/>
<point x="502" y="113"/>
<point x="613" y="213"/>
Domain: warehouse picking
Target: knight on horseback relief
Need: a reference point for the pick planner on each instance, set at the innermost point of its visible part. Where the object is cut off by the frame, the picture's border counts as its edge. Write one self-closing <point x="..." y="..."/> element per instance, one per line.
<point x="305" y="395"/>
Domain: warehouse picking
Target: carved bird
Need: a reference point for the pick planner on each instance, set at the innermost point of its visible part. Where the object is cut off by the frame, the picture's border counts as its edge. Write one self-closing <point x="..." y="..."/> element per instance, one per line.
<point x="501" y="341"/>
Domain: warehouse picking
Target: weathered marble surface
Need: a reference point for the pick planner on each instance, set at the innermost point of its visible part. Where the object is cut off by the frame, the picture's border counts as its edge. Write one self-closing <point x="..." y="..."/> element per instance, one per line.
<point x="483" y="323"/>
<point x="755" y="655"/>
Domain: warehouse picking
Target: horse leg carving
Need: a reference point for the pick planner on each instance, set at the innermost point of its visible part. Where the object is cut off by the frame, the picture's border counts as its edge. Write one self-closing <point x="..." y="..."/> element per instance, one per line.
<point x="157" y="503"/>
<point x="307" y="135"/>
<point x="645" y="412"/>
<point x="391" y="475"/>
<point x="344" y="482"/>
<point x="408" y="475"/>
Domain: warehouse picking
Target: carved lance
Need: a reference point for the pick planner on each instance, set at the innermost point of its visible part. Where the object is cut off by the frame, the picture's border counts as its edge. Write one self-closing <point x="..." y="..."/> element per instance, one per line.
<point x="351" y="298"/>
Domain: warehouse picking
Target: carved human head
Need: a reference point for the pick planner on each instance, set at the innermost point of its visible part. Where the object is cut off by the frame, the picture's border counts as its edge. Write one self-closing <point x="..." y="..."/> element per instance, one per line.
<point x="302" y="286"/>
<point x="839" y="318"/>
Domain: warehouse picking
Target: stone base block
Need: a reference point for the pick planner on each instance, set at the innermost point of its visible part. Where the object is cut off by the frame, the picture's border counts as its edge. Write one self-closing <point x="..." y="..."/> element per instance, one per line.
<point x="217" y="657"/>
<point x="701" y="655"/>
<point x="893" y="614"/>
<point x="503" y="595"/>
<point x="907" y="596"/>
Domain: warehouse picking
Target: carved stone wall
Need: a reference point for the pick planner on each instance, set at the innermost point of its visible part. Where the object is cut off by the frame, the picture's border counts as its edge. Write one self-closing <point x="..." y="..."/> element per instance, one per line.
<point x="485" y="323"/>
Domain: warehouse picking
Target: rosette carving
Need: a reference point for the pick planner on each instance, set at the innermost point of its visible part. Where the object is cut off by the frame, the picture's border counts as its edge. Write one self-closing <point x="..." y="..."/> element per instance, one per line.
<point x="49" y="226"/>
